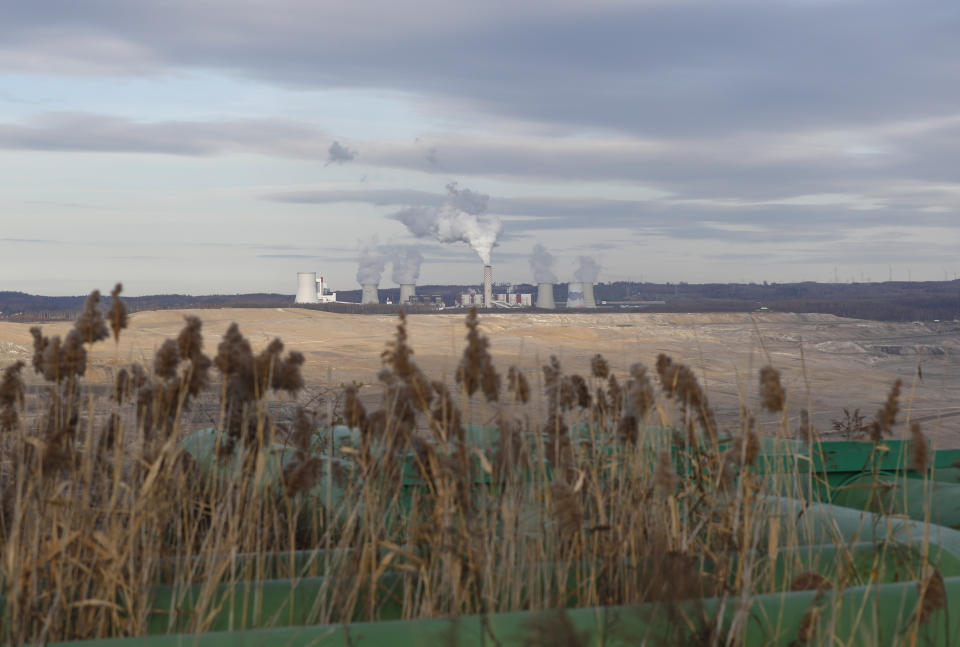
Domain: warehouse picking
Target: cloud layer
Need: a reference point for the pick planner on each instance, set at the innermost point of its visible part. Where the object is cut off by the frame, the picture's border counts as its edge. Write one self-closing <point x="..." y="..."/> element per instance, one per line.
<point x="729" y="131"/>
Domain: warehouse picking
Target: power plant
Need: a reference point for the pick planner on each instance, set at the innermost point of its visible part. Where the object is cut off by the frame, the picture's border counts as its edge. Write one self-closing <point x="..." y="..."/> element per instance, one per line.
<point x="408" y="291"/>
<point x="580" y="295"/>
<point x="545" y="296"/>
<point x="311" y="289"/>
<point x="369" y="295"/>
<point x="575" y="295"/>
<point x="588" y="300"/>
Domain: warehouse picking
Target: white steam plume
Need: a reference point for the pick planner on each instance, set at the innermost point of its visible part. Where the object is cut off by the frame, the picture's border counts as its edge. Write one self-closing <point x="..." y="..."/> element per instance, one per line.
<point x="459" y="220"/>
<point x="588" y="271"/>
<point x="406" y="263"/>
<point x="372" y="262"/>
<point x="541" y="262"/>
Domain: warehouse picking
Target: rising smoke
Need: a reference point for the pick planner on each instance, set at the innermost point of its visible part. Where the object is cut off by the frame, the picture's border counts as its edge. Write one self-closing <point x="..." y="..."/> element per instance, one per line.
<point x="541" y="262"/>
<point x="588" y="271"/>
<point x="339" y="154"/>
<point x="459" y="220"/>
<point x="372" y="262"/>
<point x="406" y="263"/>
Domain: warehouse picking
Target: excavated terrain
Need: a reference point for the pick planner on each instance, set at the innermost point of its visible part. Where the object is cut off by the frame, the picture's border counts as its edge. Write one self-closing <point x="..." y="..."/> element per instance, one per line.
<point x="827" y="363"/>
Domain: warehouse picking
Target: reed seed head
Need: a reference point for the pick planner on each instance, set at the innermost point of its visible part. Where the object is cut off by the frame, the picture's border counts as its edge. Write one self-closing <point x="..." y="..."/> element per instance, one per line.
<point x="810" y="581"/>
<point x="476" y="370"/>
<point x="599" y="367"/>
<point x="90" y="324"/>
<point x="919" y="449"/>
<point x="12" y="393"/>
<point x="117" y="315"/>
<point x="167" y="360"/>
<point x="932" y="594"/>
<point x="518" y="385"/>
<point x="772" y="395"/>
<point x="886" y="416"/>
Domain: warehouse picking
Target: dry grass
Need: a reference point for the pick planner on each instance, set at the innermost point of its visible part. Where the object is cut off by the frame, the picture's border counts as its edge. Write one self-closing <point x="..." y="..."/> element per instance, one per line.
<point x="581" y="497"/>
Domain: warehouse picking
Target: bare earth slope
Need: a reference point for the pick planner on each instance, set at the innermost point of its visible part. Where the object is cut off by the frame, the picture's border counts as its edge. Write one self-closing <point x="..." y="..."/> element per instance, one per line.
<point x="847" y="363"/>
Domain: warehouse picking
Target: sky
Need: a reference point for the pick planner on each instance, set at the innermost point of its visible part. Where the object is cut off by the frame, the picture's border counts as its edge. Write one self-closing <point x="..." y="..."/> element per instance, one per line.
<point x="221" y="146"/>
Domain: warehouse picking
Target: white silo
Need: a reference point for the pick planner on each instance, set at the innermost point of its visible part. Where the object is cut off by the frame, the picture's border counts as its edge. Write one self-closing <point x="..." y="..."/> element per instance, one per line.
<point x="545" y="296"/>
<point x="306" y="287"/>
<point x="575" y="295"/>
<point x="370" y="295"/>
<point x="487" y="286"/>
<point x="588" y="299"/>
<point x="407" y="291"/>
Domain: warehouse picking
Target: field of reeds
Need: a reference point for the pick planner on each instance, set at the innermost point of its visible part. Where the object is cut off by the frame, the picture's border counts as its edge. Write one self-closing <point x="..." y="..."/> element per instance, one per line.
<point x="477" y="496"/>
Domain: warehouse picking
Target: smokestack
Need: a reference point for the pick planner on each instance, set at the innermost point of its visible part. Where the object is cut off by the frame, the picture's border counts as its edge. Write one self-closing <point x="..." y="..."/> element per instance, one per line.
<point x="588" y="300"/>
<point x="370" y="295"/>
<point x="575" y="295"/>
<point x="545" y="296"/>
<point x="407" y="290"/>
<point x="487" y="286"/>
<point x="306" y="287"/>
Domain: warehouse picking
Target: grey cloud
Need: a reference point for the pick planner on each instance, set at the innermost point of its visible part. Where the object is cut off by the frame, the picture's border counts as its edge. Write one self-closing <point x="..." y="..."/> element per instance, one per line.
<point x="340" y="154"/>
<point x="673" y="67"/>
<point x="742" y="168"/>
<point x="677" y="219"/>
<point x="100" y="133"/>
<point x="378" y="197"/>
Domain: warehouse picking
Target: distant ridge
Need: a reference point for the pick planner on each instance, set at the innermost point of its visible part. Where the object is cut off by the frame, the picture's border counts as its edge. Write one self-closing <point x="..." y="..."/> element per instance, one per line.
<point x="888" y="301"/>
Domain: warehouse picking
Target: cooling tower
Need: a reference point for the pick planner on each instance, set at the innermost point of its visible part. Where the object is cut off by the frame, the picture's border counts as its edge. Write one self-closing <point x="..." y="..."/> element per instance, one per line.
<point x="545" y="296"/>
<point x="306" y="287"/>
<point x="370" y="295"/>
<point x="588" y="300"/>
<point x="487" y="286"/>
<point x="407" y="290"/>
<point x="575" y="295"/>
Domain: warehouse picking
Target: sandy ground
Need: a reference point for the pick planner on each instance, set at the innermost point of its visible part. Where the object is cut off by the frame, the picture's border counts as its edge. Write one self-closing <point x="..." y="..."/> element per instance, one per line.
<point x="827" y="363"/>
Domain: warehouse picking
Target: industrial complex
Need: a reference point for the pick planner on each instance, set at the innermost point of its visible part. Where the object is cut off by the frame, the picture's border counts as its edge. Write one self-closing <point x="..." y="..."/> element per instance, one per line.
<point x="311" y="289"/>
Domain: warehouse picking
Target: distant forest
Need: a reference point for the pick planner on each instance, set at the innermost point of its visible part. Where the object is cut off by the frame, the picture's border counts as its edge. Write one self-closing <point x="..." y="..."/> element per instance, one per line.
<point x="890" y="301"/>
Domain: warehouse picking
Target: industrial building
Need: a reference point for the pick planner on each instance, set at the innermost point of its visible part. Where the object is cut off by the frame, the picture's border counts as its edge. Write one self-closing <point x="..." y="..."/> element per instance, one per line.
<point x="507" y="300"/>
<point x="311" y="289"/>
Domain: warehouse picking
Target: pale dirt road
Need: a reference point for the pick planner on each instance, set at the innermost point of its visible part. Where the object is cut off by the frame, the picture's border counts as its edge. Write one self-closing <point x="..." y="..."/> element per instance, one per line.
<point x="827" y="363"/>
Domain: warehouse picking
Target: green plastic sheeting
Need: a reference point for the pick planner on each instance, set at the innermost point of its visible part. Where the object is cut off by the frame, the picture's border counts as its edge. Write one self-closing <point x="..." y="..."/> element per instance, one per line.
<point x="863" y="616"/>
<point x="912" y="497"/>
<point x="820" y="523"/>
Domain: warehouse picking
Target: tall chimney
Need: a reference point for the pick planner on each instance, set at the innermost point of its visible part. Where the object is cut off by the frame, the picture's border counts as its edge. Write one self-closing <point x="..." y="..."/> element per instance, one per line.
<point x="487" y="286"/>
<point x="370" y="295"/>
<point x="306" y="287"/>
<point x="407" y="290"/>
<point x="545" y="296"/>
<point x="588" y="300"/>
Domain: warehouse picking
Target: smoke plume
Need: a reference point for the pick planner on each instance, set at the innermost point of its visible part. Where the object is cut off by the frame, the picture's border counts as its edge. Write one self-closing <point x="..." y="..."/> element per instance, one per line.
<point x="406" y="263"/>
<point x="541" y="262"/>
<point x="459" y="220"/>
<point x="372" y="262"/>
<point x="339" y="154"/>
<point x="588" y="271"/>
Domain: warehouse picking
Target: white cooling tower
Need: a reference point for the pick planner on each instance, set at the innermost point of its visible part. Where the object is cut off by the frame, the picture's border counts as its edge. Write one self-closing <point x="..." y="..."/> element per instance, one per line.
<point x="588" y="300"/>
<point x="487" y="286"/>
<point x="306" y="287"/>
<point x="575" y="295"/>
<point x="370" y="295"/>
<point x="545" y="296"/>
<point x="407" y="291"/>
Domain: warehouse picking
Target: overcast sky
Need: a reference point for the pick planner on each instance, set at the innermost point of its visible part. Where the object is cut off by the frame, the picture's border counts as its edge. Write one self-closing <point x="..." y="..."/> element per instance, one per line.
<point x="220" y="146"/>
